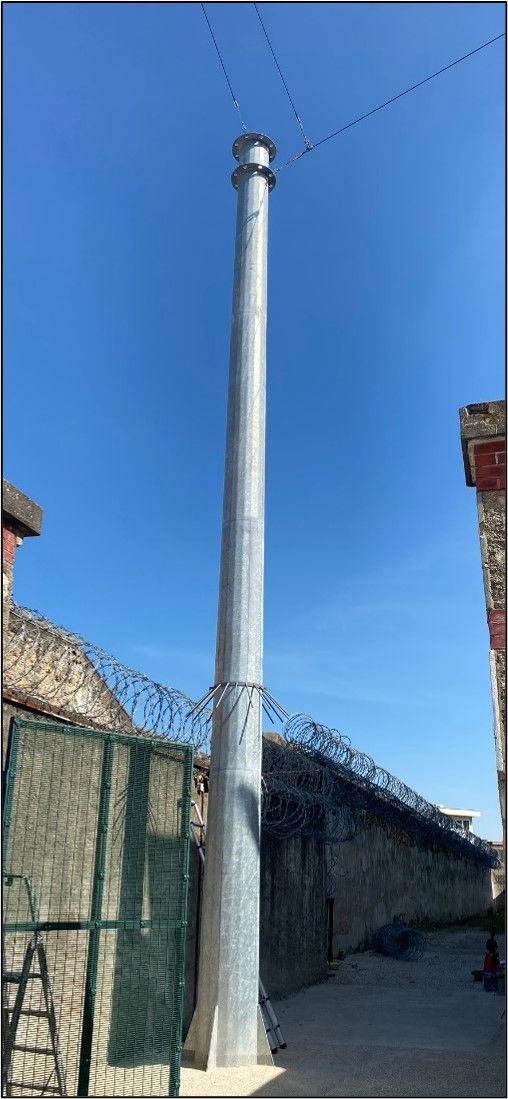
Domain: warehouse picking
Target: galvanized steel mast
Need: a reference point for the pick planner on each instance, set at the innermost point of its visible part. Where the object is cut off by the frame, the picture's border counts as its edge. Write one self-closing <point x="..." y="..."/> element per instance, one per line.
<point x="224" y="1030"/>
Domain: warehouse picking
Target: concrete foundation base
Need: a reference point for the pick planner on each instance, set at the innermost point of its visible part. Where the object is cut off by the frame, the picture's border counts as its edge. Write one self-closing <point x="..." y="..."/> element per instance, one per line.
<point x="264" y="1056"/>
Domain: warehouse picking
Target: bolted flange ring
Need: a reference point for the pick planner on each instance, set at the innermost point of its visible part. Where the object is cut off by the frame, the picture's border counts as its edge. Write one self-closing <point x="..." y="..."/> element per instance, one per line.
<point x="251" y="169"/>
<point x="256" y="139"/>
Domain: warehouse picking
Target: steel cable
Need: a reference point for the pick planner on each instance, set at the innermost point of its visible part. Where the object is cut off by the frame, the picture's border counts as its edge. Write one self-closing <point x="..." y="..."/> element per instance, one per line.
<point x="388" y="102"/>
<point x="219" y="55"/>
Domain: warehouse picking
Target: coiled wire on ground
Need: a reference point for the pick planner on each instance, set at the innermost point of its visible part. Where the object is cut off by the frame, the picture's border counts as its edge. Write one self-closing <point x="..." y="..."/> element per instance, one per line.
<point x="398" y="940"/>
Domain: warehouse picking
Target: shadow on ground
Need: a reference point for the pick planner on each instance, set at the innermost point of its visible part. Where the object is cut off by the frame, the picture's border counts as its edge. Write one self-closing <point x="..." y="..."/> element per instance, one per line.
<point x="380" y="1027"/>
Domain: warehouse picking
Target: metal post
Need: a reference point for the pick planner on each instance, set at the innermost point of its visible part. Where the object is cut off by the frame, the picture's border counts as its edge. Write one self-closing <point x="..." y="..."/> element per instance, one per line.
<point x="85" y="1054"/>
<point x="224" y="1029"/>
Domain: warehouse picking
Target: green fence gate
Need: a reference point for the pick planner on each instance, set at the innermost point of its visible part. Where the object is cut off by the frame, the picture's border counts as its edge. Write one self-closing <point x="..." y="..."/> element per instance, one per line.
<point x="95" y="868"/>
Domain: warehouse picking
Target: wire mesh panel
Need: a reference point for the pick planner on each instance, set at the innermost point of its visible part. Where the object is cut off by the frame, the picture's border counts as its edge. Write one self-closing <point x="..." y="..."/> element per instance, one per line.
<point x="95" y="866"/>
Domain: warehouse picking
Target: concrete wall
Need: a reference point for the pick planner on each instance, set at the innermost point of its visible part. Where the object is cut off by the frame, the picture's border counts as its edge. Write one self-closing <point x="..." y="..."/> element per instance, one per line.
<point x="381" y="874"/>
<point x="293" y="913"/>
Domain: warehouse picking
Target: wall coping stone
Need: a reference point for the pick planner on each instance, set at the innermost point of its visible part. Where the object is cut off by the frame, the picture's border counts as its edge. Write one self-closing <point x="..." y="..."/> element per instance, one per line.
<point x="20" y="512"/>
<point x="478" y="423"/>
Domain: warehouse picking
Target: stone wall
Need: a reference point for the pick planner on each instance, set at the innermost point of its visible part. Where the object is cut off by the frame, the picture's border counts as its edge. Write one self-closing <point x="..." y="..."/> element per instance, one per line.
<point x="381" y="874"/>
<point x="45" y="671"/>
<point x="483" y="435"/>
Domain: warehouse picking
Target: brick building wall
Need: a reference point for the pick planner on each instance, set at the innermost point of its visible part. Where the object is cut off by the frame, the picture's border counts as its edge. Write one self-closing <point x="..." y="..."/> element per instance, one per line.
<point x="21" y="518"/>
<point x="483" y="436"/>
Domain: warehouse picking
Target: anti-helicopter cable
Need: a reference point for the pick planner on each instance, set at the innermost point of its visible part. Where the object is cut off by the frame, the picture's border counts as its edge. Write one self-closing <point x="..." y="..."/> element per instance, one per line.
<point x="387" y="102"/>
<point x="308" y="145"/>
<point x="219" y="55"/>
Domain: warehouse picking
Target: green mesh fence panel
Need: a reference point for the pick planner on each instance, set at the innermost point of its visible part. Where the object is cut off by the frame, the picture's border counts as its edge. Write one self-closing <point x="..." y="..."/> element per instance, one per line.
<point x="95" y="868"/>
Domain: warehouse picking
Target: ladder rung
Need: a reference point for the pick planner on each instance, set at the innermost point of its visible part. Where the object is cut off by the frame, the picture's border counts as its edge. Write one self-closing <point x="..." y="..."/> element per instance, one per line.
<point x="15" y="978"/>
<point x="32" y="1085"/>
<point x="32" y="1011"/>
<point x="34" y="1049"/>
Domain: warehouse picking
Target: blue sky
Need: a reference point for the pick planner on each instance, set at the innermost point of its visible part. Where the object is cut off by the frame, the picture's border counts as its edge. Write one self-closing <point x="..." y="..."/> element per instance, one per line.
<point x="385" y="316"/>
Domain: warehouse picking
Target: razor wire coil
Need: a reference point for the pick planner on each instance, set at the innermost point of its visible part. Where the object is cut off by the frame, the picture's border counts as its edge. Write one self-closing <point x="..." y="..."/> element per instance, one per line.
<point x="398" y="940"/>
<point x="315" y="783"/>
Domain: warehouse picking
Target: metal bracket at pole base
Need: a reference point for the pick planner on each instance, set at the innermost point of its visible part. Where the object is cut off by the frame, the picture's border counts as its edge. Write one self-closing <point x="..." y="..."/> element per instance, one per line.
<point x="253" y="169"/>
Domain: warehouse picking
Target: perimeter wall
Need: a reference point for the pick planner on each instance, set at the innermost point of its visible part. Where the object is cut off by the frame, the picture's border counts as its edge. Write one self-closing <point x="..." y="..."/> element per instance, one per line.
<point x="379" y="874"/>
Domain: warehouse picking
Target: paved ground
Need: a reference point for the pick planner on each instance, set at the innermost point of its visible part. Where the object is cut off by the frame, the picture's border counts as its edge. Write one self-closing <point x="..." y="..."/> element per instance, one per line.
<point x="384" y="1028"/>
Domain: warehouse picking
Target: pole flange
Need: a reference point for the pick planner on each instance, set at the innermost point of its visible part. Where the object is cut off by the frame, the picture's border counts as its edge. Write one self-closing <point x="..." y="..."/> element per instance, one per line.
<point x="254" y="139"/>
<point x="252" y="169"/>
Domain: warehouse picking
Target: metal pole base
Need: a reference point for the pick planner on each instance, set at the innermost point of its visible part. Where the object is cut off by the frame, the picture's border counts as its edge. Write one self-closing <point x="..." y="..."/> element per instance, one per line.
<point x="264" y="1056"/>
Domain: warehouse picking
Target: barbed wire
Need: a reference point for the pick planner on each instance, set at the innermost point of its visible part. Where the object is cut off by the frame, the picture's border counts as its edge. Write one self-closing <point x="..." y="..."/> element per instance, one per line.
<point x="362" y="784"/>
<point x="298" y="796"/>
<point x="74" y="678"/>
<point x="315" y="783"/>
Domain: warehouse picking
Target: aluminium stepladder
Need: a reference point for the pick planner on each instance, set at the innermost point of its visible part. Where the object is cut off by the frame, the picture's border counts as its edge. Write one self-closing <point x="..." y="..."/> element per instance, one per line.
<point x="12" y="1014"/>
<point x="270" y="1021"/>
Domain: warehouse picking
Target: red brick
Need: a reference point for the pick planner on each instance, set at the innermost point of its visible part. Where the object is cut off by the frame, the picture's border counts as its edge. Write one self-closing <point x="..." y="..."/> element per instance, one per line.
<point x="497" y="628"/>
<point x="8" y="544"/>
<point x="490" y="465"/>
<point x="486" y="468"/>
<point x="488" y="460"/>
<point x="488" y="474"/>
<point x="490" y="477"/>
<point x="497" y="444"/>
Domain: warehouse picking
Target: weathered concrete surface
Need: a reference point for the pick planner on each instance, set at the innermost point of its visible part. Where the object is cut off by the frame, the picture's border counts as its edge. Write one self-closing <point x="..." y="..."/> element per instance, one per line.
<point x="22" y="513"/>
<point x="385" y="1028"/>
<point x="381" y="874"/>
<point x="293" y="913"/>
<point x="492" y="526"/>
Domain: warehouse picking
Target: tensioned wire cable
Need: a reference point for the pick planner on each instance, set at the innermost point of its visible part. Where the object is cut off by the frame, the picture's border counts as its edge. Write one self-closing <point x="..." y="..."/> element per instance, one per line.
<point x="219" y="55"/>
<point x="308" y="145"/>
<point x="381" y="106"/>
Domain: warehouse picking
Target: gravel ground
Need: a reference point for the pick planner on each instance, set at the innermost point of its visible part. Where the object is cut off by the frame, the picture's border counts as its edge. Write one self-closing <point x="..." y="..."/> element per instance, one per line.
<point x="379" y="1027"/>
<point x="447" y="962"/>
